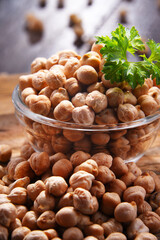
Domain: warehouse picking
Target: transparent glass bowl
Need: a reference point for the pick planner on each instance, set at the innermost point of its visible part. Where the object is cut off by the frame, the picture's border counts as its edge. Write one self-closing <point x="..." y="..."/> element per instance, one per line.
<point x="127" y="140"/>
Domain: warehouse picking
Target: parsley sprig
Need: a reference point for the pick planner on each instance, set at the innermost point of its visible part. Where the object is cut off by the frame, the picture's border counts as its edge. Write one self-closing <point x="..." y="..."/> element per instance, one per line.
<point x="117" y="68"/>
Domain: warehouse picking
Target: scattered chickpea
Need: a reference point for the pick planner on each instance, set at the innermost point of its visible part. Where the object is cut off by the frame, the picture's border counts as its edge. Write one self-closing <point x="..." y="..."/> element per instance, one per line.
<point x="127" y="112"/>
<point x="89" y="166"/>
<point x="73" y="233"/>
<point x="111" y="226"/>
<point x="46" y="220"/>
<point x="36" y="234"/>
<point x="71" y="66"/>
<point x="5" y="153"/>
<point x="95" y="230"/>
<point x="143" y="207"/>
<point x="39" y="104"/>
<point x="119" y="167"/>
<point x="115" y="96"/>
<point x="39" y="80"/>
<point x="97" y="101"/>
<point x="86" y="74"/>
<point x="105" y="175"/>
<point x="66" y="200"/>
<point x="51" y="233"/>
<point x="79" y="157"/>
<point x="18" y="195"/>
<point x="103" y="159"/>
<point x="79" y="99"/>
<point x="134" y="193"/>
<point x="23" y="169"/>
<point x="30" y="220"/>
<point x="146" y="181"/>
<point x="56" y="186"/>
<point x="44" y="202"/>
<point x="116" y="236"/>
<point x="107" y="116"/>
<point x="125" y="212"/>
<point x="83" y="115"/>
<point x="26" y="150"/>
<point x="81" y="179"/>
<point x="34" y="189"/>
<point x="143" y="236"/>
<point x="39" y="162"/>
<point x="151" y="220"/>
<point x="67" y="217"/>
<point x="128" y="178"/>
<point x="154" y="200"/>
<point x="19" y="233"/>
<point x="58" y="95"/>
<point x="91" y="58"/>
<point x="55" y="157"/>
<point x="64" y="111"/>
<point x="21" y="211"/>
<point x="25" y="81"/>
<point x="97" y="189"/>
<point x="117" y="186"/>
<point x="15" y="224"/>
<point x="62" y="168"/>
<point x="55" y="78"/>
<point x="109" y="201"/>
<point x="7" y="214"/>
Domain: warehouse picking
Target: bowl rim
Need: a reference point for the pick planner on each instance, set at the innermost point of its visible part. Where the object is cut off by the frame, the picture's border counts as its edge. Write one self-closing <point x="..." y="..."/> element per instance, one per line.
<point x="24" y="110"/>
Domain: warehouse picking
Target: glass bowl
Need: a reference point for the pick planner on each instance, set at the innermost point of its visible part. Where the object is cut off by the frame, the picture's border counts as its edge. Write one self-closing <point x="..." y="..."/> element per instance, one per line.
<point x="127" y="140"/>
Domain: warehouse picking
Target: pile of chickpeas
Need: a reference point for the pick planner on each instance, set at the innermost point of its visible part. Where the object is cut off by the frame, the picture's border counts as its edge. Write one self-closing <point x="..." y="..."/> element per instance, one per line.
<point x="72" y="89"/>
<point x="81" y="197"/>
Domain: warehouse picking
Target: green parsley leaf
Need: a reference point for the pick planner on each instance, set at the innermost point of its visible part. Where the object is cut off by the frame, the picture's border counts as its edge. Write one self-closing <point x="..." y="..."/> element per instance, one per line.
<point x="117" y="68"/>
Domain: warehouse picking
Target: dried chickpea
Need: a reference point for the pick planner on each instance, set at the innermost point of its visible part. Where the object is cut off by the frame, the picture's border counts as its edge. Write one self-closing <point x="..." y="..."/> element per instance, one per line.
<point x="56" y="157"/>
<point x="39" y="104"/>
<point x="67" y="217"/>
<point x="97" y="101"/>
<point x="38" y="64"/>
<point x="62" y="168"/>
<point x="3" y="233"/>
<point x="97" y="47"/>
<point x="7" y="214"/>
<point x="4" y="189"/>
<point x="84" y="202"/>
<point x="109" y="201"/>
<point x="39" y="80"/>
<point x="125" y="212"/>
<point x="145" y="236"/>
<point x="97" y="189"/>
<point x="6" y="180"/>
<point x="105" y="175"/>
<point x="107" y="83"/>
<point x="151" y="220"/>
<point x="130" y="98"/>
<point x="86" y="74"/>
<point x="95" y="230"/>
<point x="4" y="198"/>
<point x="79" y="99"/>
<point x="61" y="144"/>
<point x="83" y="145"/>
<point x="34" y="189"/>
<point x="56" y="186"/>
<point x="136" y="227"/>
<point x="148" y="104"/>
<point x="119" y="167"/>
<point x="117" y="186"/>
<point x="155" y="93"/>
<point x="15" y="224"/>
<point x="154" y="200"/>
<point x="65" y="55"/>
<point x="39" y="162"/>
<point x="91" y="58"/>
<point x="51" y="233"/>
<point x="18" y="195"/>
<point x="96" y="86"/>
<point x="73" y="233"/>
<point x="36" y="234"/>
<point x="107" y="116"/>
<point x="5" y="153"/>
<point x="99" y="218"/>
<point x="127" y="112"/>
<point x="71" y="66"/>
<point x="2" y="171"/>
<point x="55" y="78"/>
<point x="21" y="211"/>
<point x="146" y="181"/>
<point x="53" y="60"/>
<point x="47" y="91"/>
<point x="141" y="90"/>
<point x="26" y="150"/>
<point x="90" y="238"/>
<point x="128" y="178"/>
<point x="103" y="159"/>
<point x="72" y="86"/>
<point x="83" y="115"/>
<point x="58" y="95"/>
<point x="73" y="135"/>
<point x="21" y="182"/>
<point x="25" y="81"/>
<point x="89" y="166"/>
<point x="112" y="226"/>
<point x="156" y="180"/>
<point x="63" y="111"/>
<point x="46" y="220"/>
<point x="66" y="200"/>
<point x="44" y="202"/>
<point x="115" y="96"/>
<point x="116" y="236"/>
<point x="23" y="169"/>
<point x="19" y="233"/>
<point x="81" y="179"/>
<point x="79" y="157"/>
<point x="143" y="207"/>
<point x="134" y="193"/>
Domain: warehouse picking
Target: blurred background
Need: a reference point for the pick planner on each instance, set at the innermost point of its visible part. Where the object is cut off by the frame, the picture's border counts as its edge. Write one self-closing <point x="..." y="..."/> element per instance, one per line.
<point x="30" y="29"/>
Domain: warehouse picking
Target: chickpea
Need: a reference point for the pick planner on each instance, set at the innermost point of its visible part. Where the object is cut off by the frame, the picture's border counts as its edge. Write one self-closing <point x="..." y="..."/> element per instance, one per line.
<point x="36" y="234"/>
<point x="143" y="207"/>
<point x="38" y="64"/>
<point x="117" y="186"/>
<point x="39" y="104"/>
<point x="155" y="93"/>
<point x="26" y="150"/>
<point x="46" y="220"/>
<point x="44" y="202"/>
<point x="136" y="227"/>
<point x="83" y="221"/>
<point x="18" y="195"/>
<point x="55" y="157"/>
<point x="6" y="180"/>
<point x="130" y="98"/>
<point x="34" y="189"/>
<point x="73" y="233"/>
<point x="148" y="104"/>
<point x="72" y="86"/>
<point x="62" y="168"/>
<point x="132" y="167"/>
<point x="86" y="74"/>
<point x="55" y="78"/>
<point x="66" y="200"/>
<point x="144" y="236"/>
<point x="58" y="95"/>
<point x="53" y="60"/>
<point x="21" y="182"/>
<point x="63" y="111"/>
<point x="125" y="212"/>
<point x="127" y="112"/>
<point x="25" y="81"/>
<point x="134" y="193"/>
<point x="47" y="91"/>
<point x="23" y="169"/>
<point x="107" y="116"/>
<point x="117" y="134"/>
<point x="2" y="171"/>
<point x="96" y="86"/>
<point x="7" y="214"/>
<point x="81" y="179"/>
<point x="119" y="167"/>
<point x="73" y="135"/>
<point x="79" y="99"/>
<point x="3" y="233"/>
<point x="71" y="66"/>
<point x="83" y="115"/>
<point x="112" y="226"/>
<point x="4" y="198"/>
<point x="89" y="166"/>
<point x="56" y="186"/>
<point x="83" y="145"/>
<point x="91" y="58"/>
<point x="115" y="96"/>
<point x="157" y="210"/>
<point x="39" y="80"/>
<point x="154" y="200"/>
<point x="116" y="236"/>
<point x="156" y="180"/>
<point x="103" y="159"/>
<point x="51" y="233"/>
<point x="19" y="233"/>
<point x="105" y="175"/>
<point x="151" y="220"/>
<point x="5" y="153"/>
<point x="21" y="211"/>
<point x="67" y="217"/>
<point x="39" y="162"/>
<point x="90" y="238"/>
<point x="95" y="230"/>
<point x="99" y="218"/>
<point x="146" y="181"/>
<point x="65" y="55"/>
<point x="15" y="224"/>
<point x="61" y="144"/>
<point x="97" y="101"/>
<point x="109" y="201"/>
<point x="141" y="90"/>
<point x="97" y="47"/>
<point x="141" y="114"/>
<point x="4" y="189"/>
<point x="135" y="135"/>
<point x="79" y="157"/>
<point x="128" y="178"/>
